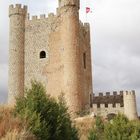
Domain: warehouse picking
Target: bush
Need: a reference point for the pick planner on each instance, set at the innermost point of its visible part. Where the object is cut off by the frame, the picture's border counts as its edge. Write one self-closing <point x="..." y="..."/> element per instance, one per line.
<point x="93" y="135"/>
<point x="97" y="131"/>
<point x="47" y="119"/>
<point x="119" y="128"/>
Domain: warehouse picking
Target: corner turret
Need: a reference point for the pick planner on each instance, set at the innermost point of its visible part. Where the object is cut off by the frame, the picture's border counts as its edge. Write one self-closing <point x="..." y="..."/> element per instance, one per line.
<point x="130" y="109"/>
<point x="17" y="10"/>
<point x="17" y="15"/>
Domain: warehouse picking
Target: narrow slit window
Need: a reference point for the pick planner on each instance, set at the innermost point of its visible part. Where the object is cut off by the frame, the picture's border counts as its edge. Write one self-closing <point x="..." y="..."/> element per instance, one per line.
<point x="84" y="60"/>
<point x="42" y="54"/>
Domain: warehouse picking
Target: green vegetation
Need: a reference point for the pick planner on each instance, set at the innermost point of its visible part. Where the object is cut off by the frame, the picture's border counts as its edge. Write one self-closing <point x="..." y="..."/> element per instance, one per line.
<point x="39" y="116"/>
<point x="46" y="118"/>
<point x="96" y="133"/>
<point x="119" y="128"/>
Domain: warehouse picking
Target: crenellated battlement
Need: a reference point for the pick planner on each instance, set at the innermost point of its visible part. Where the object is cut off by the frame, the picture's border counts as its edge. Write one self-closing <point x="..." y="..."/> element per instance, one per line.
<point x="108" y="98"/>
<point x="87" y="27"/>
<point x="129" y="93"/>
<point x="17" y="9"/>
<point x="84" y="26"/>
<point x="84" y="30"/>
<point x="114" y="93"/>
<point x="50" y="16"/>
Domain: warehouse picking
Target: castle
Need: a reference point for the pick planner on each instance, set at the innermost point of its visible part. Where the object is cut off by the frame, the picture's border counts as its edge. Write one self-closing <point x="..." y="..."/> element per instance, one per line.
<point x="54" y="50"/>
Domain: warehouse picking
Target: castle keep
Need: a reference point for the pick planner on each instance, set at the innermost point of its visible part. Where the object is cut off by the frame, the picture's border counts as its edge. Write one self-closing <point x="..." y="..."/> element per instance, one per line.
<point x="54" y="50"/>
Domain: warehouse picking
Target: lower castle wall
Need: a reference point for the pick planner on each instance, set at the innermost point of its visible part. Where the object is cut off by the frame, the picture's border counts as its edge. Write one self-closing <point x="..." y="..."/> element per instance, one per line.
<point x="119" y="102"/>
<point x="104" y="111"/>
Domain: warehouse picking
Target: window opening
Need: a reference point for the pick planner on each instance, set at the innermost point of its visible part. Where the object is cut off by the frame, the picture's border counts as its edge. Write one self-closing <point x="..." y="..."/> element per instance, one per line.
<point x="42" y="54"/>
<point x="84" y="60"/>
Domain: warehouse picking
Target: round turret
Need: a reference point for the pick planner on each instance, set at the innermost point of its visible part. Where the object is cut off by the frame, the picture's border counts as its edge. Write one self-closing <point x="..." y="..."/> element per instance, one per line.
<point x="130" y="109"/>
<point x="73" y="89"/>
<point x="17" y="16"/>
<point x="63" y="3"/>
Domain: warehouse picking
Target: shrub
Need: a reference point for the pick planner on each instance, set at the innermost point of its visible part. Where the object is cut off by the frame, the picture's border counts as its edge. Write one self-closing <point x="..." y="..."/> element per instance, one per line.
<point x="119" y="128"/>
<point x="46" y="118"/>
<point x="93" y="135"/>
<point x="97" y="131"/>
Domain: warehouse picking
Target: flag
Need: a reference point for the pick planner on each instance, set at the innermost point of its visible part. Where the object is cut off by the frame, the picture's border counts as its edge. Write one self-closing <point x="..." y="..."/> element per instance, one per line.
<point x="88" y="10"/>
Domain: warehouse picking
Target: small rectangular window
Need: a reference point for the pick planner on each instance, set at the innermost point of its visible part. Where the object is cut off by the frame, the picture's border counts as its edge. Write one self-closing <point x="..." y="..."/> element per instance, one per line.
<point x="98" y="105"/>
<point x="84" y="60"/>
<point x="114" y="105"/>
<point x="106" y="105"/>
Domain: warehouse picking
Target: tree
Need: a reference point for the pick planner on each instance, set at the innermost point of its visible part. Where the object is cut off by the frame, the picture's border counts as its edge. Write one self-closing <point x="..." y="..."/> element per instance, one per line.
<point x="46" y="118"/>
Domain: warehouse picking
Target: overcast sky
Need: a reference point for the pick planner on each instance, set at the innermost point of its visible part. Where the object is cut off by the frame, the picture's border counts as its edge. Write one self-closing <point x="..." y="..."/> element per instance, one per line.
<point x="115" y="41"/>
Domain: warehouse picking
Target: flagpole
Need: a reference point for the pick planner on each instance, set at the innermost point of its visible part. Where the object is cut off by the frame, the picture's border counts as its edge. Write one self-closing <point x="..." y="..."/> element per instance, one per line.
<point x="86" y="16"/>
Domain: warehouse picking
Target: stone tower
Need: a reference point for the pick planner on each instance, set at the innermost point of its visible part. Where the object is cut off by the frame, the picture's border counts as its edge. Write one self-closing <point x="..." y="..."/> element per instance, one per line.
<point x="130" y="109"/>
<point x="70" y="31"/>
<point x="16" y="51"/>
<point x="54" y="50"/>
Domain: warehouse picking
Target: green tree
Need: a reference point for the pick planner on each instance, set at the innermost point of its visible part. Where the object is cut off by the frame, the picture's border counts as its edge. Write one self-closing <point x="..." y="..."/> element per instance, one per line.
<point x="46" y="118"/>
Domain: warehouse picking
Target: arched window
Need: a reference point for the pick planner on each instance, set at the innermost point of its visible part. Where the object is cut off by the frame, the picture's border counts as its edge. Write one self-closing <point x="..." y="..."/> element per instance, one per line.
<point x="42" y="54"/>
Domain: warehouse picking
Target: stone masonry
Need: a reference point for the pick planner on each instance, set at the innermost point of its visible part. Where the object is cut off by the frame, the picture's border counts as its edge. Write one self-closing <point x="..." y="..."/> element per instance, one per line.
<point x="54" y="50"/>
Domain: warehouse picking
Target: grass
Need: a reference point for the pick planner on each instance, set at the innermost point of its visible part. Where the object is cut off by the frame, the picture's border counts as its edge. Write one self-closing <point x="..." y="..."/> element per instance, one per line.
<point x="9" y="123"/>
<point x="84" y="124"/>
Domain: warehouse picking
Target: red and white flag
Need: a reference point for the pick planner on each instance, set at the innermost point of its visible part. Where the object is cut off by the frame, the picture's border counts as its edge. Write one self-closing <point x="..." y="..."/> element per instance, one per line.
<point x="88" y="10"/>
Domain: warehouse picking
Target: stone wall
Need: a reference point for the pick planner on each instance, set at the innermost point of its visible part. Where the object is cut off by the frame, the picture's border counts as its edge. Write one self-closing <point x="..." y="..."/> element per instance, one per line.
<point x="42" y="34"/>
<point x="104" y="110"/>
